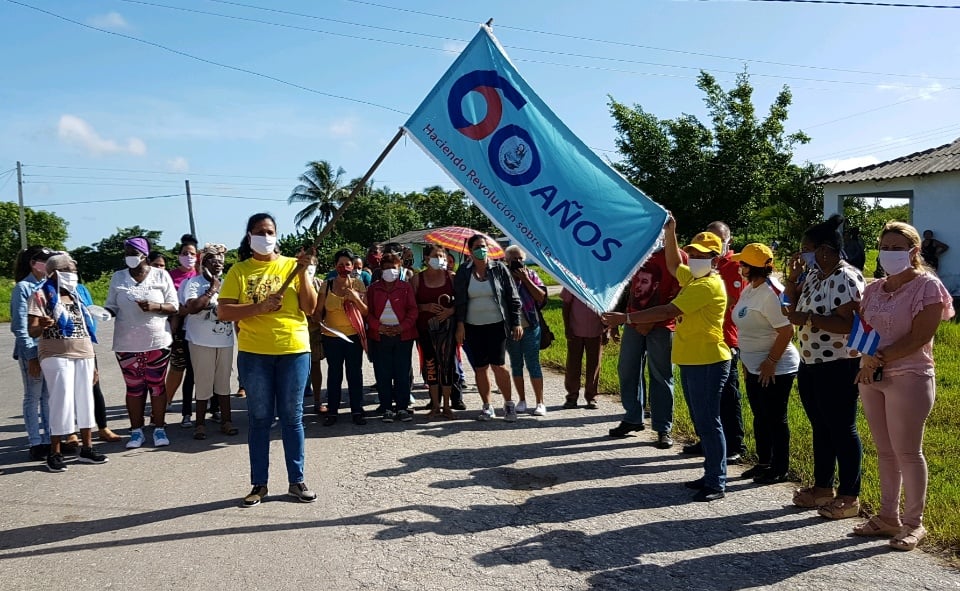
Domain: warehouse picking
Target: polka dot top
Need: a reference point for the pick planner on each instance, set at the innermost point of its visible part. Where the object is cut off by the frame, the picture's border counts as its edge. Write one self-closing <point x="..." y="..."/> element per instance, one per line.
<point x="821" y="296"/>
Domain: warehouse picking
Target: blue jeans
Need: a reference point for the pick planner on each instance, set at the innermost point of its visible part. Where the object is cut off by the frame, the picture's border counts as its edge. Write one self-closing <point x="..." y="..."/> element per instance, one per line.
<point x="653" y="350"/>
<point x="702" y="387"/>
<point x="342" y="354"/>
<point x="391" y="366"/>
<point x="274" y="385"/>
<point x="36" y="410"/>
<point x="526" y="351"/>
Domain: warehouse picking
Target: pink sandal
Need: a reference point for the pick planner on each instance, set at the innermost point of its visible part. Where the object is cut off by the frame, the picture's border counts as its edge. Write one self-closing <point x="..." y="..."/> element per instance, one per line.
<point x="908" y="538"/>
<point x="876" y="526"/>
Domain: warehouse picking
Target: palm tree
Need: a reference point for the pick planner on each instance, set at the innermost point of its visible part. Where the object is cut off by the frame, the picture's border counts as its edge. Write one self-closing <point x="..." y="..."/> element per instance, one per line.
<point x="321" y="189"/>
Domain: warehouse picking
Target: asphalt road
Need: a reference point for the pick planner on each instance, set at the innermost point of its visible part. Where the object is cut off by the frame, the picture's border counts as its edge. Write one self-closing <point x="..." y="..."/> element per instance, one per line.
<point x="545" y="503"/>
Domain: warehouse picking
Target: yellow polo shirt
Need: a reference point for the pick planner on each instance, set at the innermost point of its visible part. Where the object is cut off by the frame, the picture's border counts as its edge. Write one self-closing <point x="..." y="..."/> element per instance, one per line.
<point x="275" y="333"/>
<point x="698" y="339"/>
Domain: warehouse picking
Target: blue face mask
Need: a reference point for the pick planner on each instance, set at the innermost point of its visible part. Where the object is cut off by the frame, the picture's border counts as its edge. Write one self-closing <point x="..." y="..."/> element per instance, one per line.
<point x="810" y="259"/>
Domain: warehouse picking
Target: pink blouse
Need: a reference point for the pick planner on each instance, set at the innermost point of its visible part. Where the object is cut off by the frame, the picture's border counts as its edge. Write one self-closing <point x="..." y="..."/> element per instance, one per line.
<point x="892" y="314"/>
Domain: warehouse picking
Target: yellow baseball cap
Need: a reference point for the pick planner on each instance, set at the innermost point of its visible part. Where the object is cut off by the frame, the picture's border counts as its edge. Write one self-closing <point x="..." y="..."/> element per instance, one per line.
<point x="755" y="255"/>
<point x="706" y="242"/>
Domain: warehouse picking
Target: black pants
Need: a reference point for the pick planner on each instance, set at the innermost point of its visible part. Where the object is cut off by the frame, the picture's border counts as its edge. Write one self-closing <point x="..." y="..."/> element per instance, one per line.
<point x="829" y="398"/>
<point x="731" y="413"/>
<point x="770" y="428"/>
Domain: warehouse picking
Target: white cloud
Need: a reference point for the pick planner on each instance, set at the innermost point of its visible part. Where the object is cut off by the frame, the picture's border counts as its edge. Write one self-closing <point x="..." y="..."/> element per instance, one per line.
<point x="910" y="92"/>
<point x="113" y="21"/>
<point x="454" y="46"/>
<point x="344" y="128"/>
<point x="850" y="163"/>
<point x="75" y="131"/>
<point x="178" y="164"/>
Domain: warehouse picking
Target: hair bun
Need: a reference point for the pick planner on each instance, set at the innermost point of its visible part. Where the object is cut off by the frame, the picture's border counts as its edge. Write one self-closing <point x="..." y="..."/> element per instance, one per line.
<point x="835" y="221"/>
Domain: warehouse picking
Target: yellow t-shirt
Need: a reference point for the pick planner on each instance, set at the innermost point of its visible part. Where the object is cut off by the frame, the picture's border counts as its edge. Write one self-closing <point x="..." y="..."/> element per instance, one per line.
<point x="698" y="339"/>
<point x="276" y="333"/>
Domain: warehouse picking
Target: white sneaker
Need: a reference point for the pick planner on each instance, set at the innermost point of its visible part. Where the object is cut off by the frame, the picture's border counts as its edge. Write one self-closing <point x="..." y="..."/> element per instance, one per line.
<point x="510" y="412"/>
<point x="522" y="406"/>
<point x="160" y="437"/>
<point x="540" y="411"/>
<point x="136" y="439"/>
<point x="487" y="413"/>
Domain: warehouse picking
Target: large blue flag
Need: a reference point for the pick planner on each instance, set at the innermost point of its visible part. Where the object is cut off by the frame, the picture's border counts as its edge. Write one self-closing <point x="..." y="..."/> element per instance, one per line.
<point x="555" y="198"/>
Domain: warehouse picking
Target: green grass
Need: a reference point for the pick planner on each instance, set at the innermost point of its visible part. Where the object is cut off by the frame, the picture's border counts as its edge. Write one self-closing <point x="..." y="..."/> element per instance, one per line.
<point x="6" y="288"/>
<point x="544" y="276"/>
<point x="941" y="444"/>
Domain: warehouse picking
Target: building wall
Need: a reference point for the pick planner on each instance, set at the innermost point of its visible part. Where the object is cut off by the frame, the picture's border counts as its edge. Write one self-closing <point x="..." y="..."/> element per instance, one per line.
<point x="935" y="206"/>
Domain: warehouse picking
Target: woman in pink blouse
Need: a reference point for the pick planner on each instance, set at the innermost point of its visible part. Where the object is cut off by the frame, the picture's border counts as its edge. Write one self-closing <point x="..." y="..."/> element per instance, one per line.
<point x="897" y="384"/>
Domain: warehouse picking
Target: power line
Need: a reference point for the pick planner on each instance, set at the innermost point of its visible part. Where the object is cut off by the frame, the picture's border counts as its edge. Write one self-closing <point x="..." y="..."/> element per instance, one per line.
<point x="239" y="197"/>
<point x="34" y="205"/>
<point x="511" y="47"/>
<point x="636" y="45"/>
<point x="44" y="177"/>
<point x="207" y="61"/>
<point x="146" y="171"/>
<point x="891" y="144"/>
<point x="862" y="3"/>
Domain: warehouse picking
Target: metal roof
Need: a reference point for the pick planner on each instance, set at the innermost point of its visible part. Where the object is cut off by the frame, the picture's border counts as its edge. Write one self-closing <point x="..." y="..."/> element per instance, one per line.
<point x="945" y="158"/>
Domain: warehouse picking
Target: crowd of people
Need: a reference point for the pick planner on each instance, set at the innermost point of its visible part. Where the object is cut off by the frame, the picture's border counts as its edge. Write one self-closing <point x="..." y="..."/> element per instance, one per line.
<point x="702" y="308"/>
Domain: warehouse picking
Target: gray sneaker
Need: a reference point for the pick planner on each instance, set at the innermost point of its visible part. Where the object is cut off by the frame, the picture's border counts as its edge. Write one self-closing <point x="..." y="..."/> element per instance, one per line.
<point x="510" y="412"/>
<point x="487" y="413"/>
<point x="389" y="416"/>
<point x="301" y="493"/>
<point x="404" y="416"/>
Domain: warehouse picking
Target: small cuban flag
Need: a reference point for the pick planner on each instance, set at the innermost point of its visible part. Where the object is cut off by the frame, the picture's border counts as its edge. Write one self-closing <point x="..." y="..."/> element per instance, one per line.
<point x="778" y="289"/>
<point x="863" y="337"/>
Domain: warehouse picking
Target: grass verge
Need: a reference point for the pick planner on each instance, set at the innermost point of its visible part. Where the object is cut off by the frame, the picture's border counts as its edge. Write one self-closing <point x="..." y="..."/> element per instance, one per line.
<point x="98" y="289"/>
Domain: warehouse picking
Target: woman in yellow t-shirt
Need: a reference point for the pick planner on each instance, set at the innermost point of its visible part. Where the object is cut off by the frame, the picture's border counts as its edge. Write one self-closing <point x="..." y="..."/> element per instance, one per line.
<point x="274" y="349"/>
<point x="698" y="346"/>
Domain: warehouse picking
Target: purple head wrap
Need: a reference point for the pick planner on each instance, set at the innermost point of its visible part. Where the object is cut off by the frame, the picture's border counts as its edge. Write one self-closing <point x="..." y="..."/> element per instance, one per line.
<point x="139" y="243"/>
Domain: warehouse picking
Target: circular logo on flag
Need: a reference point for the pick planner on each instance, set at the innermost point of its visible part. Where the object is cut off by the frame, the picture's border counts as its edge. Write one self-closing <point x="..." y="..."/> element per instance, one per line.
<point x="515" y="157"/>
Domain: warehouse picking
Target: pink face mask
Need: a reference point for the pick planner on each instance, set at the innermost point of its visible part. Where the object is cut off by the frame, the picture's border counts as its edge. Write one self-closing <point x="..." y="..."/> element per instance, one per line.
<point x="39" y="267"/>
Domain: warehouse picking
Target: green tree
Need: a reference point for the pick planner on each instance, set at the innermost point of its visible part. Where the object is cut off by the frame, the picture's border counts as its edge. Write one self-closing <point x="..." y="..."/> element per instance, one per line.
<point x="376" y="215"/>
<point x="43" y="228"/>
<point x="728" y="169"/>
<point x="106" y="255"/>
<point x="321" y="189"/>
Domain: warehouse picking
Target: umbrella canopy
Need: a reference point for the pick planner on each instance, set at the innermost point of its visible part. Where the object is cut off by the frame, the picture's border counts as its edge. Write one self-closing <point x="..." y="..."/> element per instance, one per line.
<point x="455" y="238"/>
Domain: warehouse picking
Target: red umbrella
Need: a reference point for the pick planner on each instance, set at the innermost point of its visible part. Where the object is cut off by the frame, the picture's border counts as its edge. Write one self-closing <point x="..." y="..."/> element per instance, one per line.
<point x="455" y="238"/>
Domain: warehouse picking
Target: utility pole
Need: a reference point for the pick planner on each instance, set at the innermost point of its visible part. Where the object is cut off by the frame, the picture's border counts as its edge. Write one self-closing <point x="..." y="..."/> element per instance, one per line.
<point x="23" y="214"/>
<point x="193" y="225"/>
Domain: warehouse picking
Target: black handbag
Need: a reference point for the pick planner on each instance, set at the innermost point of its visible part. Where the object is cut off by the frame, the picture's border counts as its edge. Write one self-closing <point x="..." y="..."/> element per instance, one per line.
<point x="546" y="335"/>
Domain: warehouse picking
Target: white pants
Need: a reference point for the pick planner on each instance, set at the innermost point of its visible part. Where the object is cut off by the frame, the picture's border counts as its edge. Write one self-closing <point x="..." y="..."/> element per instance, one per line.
<point x="70" y="383"/>
<point x="212" y="367"/>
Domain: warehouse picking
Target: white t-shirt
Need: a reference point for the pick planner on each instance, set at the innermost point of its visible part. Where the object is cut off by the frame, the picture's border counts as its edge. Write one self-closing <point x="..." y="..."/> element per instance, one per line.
<point x="203" y="328"/>
<point x="137" y="331"/>
<point x="758" y="314"/>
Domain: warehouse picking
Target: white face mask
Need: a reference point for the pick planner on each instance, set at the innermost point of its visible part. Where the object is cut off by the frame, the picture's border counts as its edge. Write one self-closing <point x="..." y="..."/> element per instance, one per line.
<point x="311" y="271"/>
<point x="390" y="275"/>
<point x="895" y="261"/>
<point x="133" y="261"/>
<point x="67" y="281"/>
<point x="437" y="263"/>
<point x="188" y="261"/>
<point x="263" y="245"/>
<point x="700" y="267"/>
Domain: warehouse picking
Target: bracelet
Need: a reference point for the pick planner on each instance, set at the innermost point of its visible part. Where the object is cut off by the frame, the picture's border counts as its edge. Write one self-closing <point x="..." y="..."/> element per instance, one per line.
<point x="772" y="360"/>
<point x="627" y="318"/>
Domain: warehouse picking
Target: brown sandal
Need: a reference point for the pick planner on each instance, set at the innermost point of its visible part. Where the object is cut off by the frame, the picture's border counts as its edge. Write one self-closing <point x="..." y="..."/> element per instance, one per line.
<point x="227" y="428"/>
<point x="876" y="526"/>
<point x="841" y="508"/>
<point x="811" y="497"/>
<point x="199" y="433"/>
<point x="908" y="538"/>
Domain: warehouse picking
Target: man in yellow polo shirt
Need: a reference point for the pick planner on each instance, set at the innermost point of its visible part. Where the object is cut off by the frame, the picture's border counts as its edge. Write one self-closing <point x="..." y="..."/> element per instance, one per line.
<point x="698" y="346"/>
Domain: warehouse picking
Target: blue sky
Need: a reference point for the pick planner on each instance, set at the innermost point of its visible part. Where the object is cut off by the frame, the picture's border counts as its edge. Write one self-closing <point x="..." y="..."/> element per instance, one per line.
<point x="94" y="116"/>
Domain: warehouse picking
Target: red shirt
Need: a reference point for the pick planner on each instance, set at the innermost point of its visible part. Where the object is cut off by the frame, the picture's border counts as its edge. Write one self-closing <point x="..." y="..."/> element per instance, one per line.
<point x="734" y="282"/>
<point x="653" y="285"/>
<point x="402" y="301"/>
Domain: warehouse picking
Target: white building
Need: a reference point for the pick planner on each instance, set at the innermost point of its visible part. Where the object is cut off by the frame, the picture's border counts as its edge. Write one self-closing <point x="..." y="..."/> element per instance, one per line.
<point x="930" y="180"/>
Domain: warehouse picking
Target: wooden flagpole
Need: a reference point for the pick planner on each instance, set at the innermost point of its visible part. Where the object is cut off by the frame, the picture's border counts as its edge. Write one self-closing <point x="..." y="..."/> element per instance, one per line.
<point x="343" y="206"/>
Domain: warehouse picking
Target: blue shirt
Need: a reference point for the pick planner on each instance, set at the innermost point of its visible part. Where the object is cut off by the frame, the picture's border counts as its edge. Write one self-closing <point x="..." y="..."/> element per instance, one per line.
<point x="24" y="345"/>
